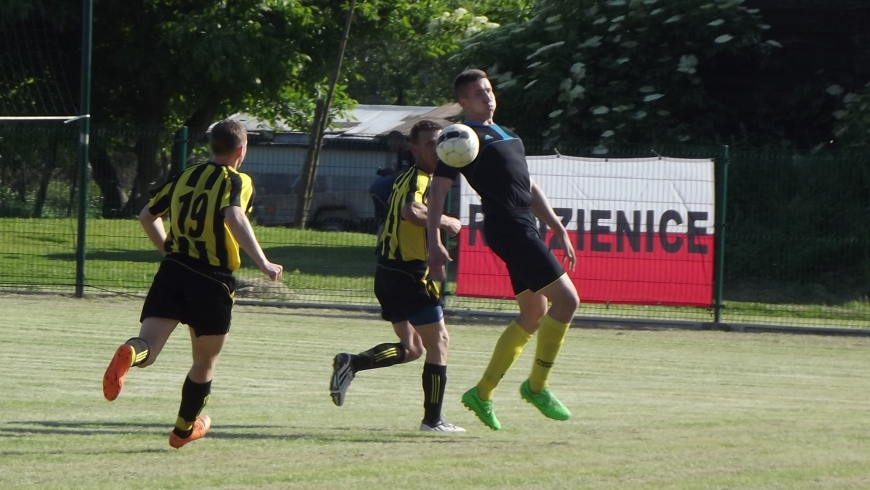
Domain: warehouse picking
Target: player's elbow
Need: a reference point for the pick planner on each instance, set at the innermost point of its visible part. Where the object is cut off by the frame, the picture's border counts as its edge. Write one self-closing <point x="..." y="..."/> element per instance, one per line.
<point x="234" y="216"/>
<point x="145" y="216"/>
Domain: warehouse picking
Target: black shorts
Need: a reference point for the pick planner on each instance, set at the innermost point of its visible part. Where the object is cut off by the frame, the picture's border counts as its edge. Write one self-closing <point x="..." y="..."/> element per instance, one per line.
<point x="200" y="297"/>
<point x="517" y="241"/>
<point x="404" y="291"/>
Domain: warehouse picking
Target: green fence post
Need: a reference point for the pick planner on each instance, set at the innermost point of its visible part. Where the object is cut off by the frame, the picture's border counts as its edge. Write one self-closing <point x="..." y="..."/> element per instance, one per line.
<point x="84" y="142"/>
<point x="180" y="162"/>
<point x="721" y="170"/>
<point x="446" y="237"/>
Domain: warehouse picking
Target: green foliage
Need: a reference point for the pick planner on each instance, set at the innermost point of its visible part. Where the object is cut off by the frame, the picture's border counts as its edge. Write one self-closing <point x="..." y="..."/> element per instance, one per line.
<point x="620" y="70"/>
<point x="401" y="50"/>
<point x="36" y="78"/>
<point x="59" y="202"/>
<point x="221" y="57"/>
<point x="800" y="218"/>
<point x="853" y="126"/>
<point x="55" y="13"/>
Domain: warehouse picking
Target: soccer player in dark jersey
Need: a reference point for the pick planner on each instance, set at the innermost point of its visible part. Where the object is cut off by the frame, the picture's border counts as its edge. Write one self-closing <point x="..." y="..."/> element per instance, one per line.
<point x="509" y="197"/>
<point x="409" y="298"/>
<point x="194" y="285"/>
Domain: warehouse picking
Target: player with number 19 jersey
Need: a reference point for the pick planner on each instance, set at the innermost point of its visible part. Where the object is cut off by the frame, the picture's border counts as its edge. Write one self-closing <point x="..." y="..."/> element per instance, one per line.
<point x="194" y="201"/>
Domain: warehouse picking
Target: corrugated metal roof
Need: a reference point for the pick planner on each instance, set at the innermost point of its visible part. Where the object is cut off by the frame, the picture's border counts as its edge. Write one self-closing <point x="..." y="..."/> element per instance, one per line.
<point x="381" y="119"/>
<point x="370" y="120"/>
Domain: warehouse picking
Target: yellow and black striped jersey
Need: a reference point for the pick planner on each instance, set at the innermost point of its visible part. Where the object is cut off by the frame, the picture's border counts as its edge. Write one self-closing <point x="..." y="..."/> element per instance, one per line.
<point x="402" y="240"/>
<point x="194" y="200"/>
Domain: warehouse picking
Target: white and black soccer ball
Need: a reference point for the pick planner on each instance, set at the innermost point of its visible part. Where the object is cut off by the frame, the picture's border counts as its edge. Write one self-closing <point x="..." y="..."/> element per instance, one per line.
<point x="458" y="145"/>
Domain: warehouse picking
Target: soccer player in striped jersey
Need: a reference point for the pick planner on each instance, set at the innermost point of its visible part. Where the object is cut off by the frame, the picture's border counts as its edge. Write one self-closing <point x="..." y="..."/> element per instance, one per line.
<point x="409" y="298"/>
<point x="206" y="206"/>
<point x="510" y="201"/>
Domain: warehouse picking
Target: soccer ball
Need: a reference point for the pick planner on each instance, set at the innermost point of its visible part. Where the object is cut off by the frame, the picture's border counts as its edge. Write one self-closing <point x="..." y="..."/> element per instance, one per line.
<point x="458" y="145"/>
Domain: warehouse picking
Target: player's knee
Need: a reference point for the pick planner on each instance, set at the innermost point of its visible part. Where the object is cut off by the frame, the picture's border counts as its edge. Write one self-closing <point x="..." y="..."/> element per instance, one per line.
<point x="571" y="301"/>
<point x="412" y="353"/>
<point x="436" y="343"/>
<point x="443" y="340"/>
<point x="532" y="313"/>
<point x="566" y="298"/>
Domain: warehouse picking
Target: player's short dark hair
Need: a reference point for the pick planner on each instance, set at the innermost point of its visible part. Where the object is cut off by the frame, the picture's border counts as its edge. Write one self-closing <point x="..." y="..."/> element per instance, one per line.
<point x="423" y="125"/>
<point x="466" y="77"/>
<point x="226" y="136"/>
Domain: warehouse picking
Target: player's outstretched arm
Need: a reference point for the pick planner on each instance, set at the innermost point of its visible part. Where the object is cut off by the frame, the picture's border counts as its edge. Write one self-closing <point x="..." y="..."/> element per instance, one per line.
<point x="241" y="229"/>
<point x="417" y="214"/>
<point x="153" y="226"/>
<point x="543" y="210"/>
<point x="438" y="256"/>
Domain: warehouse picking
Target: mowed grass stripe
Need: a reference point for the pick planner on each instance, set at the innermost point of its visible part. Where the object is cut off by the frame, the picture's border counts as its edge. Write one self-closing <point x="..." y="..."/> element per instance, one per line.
<point x="652" y="409"/>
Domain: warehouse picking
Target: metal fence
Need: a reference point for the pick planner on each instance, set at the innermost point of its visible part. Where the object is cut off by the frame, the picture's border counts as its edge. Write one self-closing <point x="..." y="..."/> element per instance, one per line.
<point x="796" y="228"/>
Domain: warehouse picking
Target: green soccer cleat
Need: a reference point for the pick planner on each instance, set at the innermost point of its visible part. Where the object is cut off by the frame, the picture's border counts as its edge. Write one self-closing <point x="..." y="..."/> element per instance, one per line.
<point x="545" y="401"/>
<point x="481" y="408"/>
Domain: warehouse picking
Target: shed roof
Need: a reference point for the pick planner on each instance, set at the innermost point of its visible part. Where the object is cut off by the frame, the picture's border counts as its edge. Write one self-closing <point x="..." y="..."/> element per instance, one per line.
<point x="365" y="120"/>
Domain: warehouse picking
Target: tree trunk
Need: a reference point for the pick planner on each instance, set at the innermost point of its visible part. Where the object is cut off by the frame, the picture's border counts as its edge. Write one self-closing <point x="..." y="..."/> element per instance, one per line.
<point x="150" y="171"/>
<point x="106" y="178"/>
<point x="309" y="172"/>
<point x="309" y="169"/>
<point x="197" y="124"/>
<point x="45" y="179"/>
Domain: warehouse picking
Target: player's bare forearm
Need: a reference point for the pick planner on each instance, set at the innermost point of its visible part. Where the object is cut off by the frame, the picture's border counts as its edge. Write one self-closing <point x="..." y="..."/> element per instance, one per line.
<point x="450" y="224"/>
<point x="153" y="226"/>
<point x="438" y="255"/>
<point x="542" y="209"/>
<point x="242" y="231"/>
<point x="437" y="194"/>
<point x="418" y="215"/>
<point x="415" y="213"/>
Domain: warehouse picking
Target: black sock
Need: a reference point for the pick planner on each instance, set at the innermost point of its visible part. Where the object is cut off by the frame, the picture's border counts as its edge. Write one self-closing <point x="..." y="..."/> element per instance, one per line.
<point x="194" y="397"/>
<point x="380" y="356"/>
<point x="140" y="350"/>
<point x="434" y="381"/>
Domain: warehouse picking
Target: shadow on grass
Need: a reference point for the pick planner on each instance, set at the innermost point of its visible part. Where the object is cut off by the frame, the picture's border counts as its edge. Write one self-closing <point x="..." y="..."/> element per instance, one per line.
<point x="345" y="261"/>
<point x="360" y="435"/>
<point x="111" y="255"/>
<point x="342" y="261"/>
<point x="227" y="432"/>
<point x="49" y="427"/>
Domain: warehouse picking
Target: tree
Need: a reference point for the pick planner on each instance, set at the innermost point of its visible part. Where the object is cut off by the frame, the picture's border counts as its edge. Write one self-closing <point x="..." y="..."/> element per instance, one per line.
<point x="199" y="60"/>
<point x="167" y="63"/>
<point x="621" y="71"/>
<point x="35" y="80"/>
<point x="402" y="50"/>
<point x="853" y="118"/>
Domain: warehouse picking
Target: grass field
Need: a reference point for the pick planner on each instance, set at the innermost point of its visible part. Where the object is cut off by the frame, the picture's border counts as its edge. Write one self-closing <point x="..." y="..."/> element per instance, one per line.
<point x="652" y="409"/>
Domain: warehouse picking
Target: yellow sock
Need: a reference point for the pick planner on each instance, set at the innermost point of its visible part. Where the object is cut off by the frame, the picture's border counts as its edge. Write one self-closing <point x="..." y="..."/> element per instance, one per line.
<point x="507" y="351"/>
<point x="551" y="336"/>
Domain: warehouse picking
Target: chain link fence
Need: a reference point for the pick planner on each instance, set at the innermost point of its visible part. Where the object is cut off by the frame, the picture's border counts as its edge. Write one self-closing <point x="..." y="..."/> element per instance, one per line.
<point x="796" y="228"/>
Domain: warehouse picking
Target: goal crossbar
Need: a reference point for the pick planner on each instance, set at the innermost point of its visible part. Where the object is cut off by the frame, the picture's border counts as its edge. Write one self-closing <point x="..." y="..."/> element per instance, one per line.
<point x="65" y="119"/>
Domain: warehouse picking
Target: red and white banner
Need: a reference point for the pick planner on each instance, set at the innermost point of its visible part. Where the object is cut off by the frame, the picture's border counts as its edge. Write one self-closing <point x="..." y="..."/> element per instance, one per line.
<point x="642" y="229"/>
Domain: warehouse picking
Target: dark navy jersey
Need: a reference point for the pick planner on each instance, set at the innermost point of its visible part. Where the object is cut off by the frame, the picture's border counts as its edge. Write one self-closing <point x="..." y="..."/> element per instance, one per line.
<point x="499" y="174"/>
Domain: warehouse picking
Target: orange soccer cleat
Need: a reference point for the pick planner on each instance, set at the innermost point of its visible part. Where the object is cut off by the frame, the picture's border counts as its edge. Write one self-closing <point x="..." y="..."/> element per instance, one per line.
<point x="113" y="380"/>
<point x="200" y="427"/>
